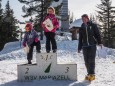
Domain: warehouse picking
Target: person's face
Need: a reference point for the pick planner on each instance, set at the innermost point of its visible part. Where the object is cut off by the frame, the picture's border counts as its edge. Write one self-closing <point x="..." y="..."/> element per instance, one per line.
<point x="85" y="20"/>
<point x="50" y="11"/>
<point x="27" y="29"/>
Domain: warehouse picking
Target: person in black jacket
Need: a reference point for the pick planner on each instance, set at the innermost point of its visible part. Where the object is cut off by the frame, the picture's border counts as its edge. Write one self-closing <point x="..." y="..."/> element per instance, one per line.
<point x="89" y="36"/>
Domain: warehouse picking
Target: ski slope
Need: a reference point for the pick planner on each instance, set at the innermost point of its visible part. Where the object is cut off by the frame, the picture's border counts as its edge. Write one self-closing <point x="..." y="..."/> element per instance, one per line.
<point x="67" y="52"/>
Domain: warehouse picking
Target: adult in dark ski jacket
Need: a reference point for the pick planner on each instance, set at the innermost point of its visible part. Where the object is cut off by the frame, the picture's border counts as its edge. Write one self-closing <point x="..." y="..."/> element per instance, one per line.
<point x="50" y="24"/>
<point x="31" y="40"/>
<point x="89" y="36"/>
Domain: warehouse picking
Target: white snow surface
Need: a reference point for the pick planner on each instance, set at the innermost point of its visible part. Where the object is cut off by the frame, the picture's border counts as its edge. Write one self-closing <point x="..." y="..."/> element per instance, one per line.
<point x="11" y="46"/>
<point x="67" y="52"/>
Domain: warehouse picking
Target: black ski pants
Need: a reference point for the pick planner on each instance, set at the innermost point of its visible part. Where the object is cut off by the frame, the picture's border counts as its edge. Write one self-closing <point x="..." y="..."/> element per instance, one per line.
<point x="38" y="48"/>
<point x="50" y="40"/>
<point x="89" y="54"/>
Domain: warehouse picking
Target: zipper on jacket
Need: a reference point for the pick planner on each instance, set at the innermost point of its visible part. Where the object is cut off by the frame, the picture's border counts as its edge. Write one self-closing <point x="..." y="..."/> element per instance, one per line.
<point x="94" y="38"/>
<point x="87" y="36"/>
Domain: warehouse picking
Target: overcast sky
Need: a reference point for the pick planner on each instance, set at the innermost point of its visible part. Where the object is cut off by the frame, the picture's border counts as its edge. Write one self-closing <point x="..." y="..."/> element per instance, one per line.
<point x="78" y="7"/>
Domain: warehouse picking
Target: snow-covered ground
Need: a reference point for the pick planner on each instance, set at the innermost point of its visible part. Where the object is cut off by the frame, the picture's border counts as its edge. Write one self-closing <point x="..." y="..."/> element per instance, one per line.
<point x="11" y="47"/>
<point x="67" y="51"/>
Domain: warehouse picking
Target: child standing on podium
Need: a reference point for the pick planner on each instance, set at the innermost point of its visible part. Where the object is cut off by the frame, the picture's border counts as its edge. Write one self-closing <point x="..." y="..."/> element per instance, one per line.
<point x="50" y="24"/>
<point x="31" y="39"/>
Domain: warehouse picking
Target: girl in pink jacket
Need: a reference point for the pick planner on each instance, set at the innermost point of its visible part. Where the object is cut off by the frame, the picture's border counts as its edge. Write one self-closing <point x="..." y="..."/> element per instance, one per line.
<point x="50" y="24"/>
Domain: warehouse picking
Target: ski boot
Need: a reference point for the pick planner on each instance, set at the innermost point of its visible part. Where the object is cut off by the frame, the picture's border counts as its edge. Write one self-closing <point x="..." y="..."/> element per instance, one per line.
<point x="86" y="77"/>
<point x="91" y="77"/>
<point x="55" y="50"/>
<point x="29" y="62"/>
<point x="38" y="51"/>
<point x="48" y="51"/>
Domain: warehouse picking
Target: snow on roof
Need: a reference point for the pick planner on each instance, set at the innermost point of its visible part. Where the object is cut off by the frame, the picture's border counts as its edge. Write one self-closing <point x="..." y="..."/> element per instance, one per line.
<point x="76" y="23"/>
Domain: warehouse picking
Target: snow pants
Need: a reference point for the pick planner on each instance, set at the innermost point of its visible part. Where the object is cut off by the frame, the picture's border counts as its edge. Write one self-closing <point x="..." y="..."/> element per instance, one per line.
<point x="50" y="40"/>
<point x="38" y="48"/>
<point x="89" y="54"/>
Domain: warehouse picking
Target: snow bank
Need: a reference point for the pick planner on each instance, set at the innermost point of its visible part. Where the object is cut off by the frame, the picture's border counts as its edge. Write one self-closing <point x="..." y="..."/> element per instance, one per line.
<point x="11" y="46"/>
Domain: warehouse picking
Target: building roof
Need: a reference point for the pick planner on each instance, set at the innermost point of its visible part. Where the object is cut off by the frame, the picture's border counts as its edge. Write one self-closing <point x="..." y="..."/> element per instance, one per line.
<point x="76" y="23"/>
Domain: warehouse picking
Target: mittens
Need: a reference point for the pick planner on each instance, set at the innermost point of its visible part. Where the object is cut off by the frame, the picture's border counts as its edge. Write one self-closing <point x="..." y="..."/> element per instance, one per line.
<point x="24" y="44"/>
<point x="36" y="40"/>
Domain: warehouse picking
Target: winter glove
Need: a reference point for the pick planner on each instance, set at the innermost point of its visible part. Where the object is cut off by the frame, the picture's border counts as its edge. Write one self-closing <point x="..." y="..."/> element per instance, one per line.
<point x="36" y="40"/>
<point x="24" y="44"/>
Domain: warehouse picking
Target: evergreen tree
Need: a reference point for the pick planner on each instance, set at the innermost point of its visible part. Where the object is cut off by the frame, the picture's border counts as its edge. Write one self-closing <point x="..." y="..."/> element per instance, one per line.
<point x="93" y="18"/>
<point x="8" y="32"/>
<point x="106" y="16"/>
<point x="71" y="17"/>
<point x="10" y="23"/>
<point x="1" y="19"/>
<point x="1" y="16"/>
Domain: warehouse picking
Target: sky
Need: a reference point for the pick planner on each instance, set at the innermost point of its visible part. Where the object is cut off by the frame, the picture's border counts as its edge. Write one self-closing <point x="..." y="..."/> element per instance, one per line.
<point x="78" y="7"/>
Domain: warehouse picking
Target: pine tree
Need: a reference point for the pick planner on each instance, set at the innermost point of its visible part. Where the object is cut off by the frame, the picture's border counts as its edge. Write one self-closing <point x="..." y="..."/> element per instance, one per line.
<point x="10" y="22"/>
<point x="1" y="19"/>
<point x="71" y="18"/>
<point x="93" y="18"/>
<point x="106" y="16"/>
<point x="1" y="16"/>
<point x="8" y="32"/>
<point x="1" y="13"/>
